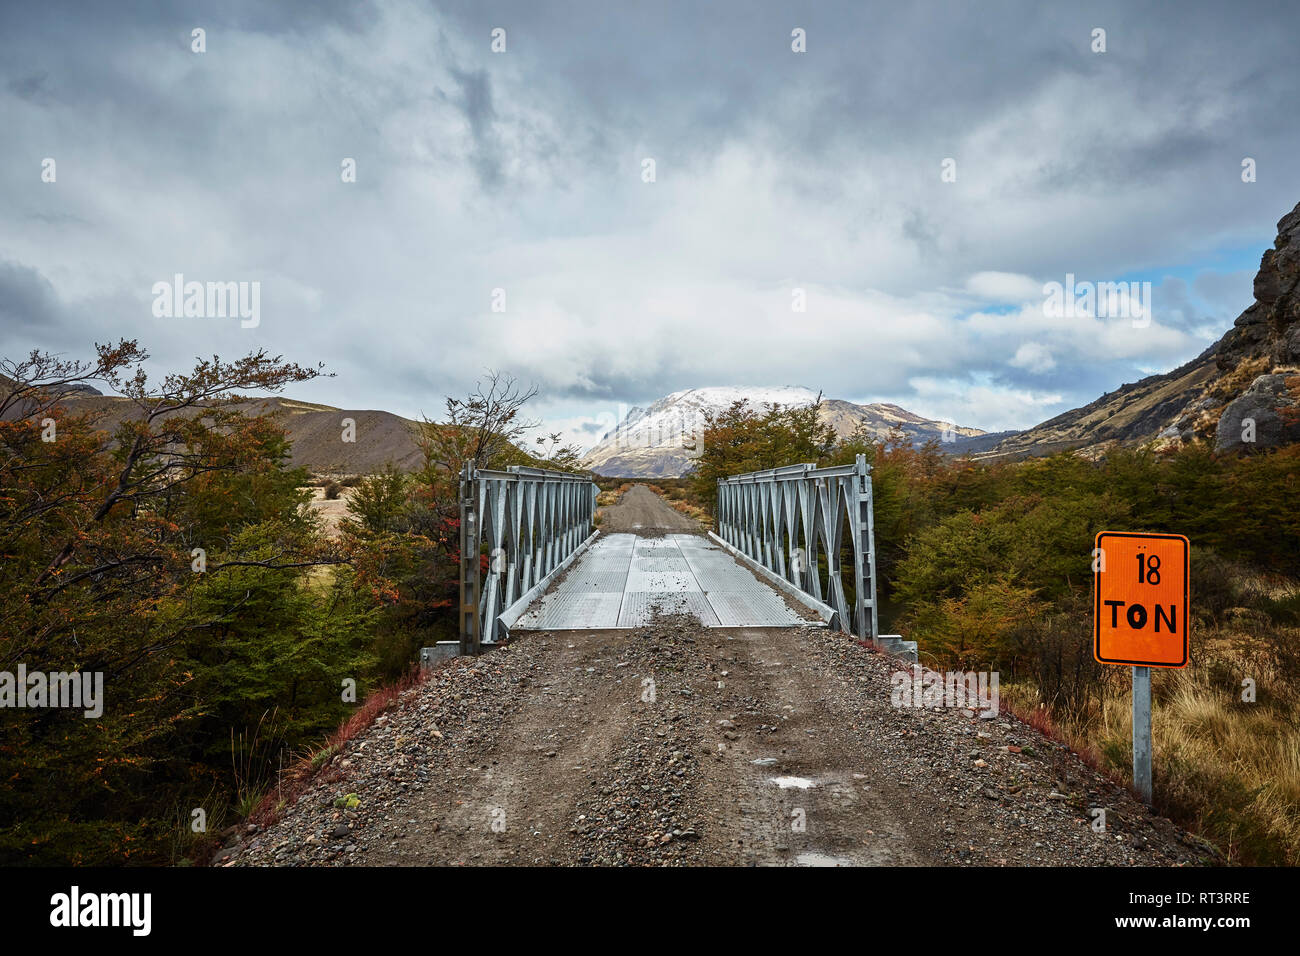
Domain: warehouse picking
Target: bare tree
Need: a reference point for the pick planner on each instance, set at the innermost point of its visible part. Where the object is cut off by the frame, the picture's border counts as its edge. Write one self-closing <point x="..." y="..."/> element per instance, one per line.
<point x="557" y="456"/>
<point x="483" y="427"/>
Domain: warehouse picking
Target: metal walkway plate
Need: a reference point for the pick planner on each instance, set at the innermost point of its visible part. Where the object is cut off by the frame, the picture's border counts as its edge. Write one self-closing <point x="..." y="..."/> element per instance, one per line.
<point x="622" y="581"/>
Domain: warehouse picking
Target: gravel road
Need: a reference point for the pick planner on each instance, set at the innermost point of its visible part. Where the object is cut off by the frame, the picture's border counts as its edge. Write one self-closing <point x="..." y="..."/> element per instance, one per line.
<point x="674" y="744"/>
<point x="641" y="511"/>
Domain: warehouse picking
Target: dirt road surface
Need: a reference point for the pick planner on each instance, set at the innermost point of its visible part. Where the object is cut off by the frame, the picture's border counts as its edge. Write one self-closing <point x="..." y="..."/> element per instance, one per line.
<point x="674" y="744"/>
<point x="641" y="511"/>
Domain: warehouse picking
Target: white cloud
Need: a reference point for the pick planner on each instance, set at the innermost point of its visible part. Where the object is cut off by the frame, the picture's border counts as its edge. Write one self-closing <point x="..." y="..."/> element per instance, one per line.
<point x="995" y="407"/>
<point x="1004" y="287"/>
<point x="521" y="171"/>
<point x="1034" y="357"/>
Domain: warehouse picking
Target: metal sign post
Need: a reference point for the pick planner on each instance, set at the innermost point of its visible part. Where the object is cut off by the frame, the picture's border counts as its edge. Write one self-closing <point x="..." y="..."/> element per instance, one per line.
<point x="1141" y="615"/>
<point x="1142" y="732"/>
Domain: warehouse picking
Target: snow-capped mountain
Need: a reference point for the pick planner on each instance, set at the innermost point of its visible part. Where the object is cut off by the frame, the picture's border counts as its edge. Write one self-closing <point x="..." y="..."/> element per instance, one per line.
<point x="660" y="441"/>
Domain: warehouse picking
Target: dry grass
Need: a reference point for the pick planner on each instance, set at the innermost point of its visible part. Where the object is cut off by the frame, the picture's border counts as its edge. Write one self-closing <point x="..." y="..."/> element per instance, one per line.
<point x="331" y="511"/>
<point x="693" y="511"/>
<point x="613" y="495"/>
<point x="1232" y="384"/>
<point x="678" y="495"/>
<point x="1225" y="768"/>
<point x="1233" y="766"/>
<point x="305" y="769"/>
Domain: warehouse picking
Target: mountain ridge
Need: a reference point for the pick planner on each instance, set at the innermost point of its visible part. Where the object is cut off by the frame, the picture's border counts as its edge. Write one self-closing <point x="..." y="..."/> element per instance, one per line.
<point x="1241" y="393"/>
<point x="660" y="440"/>
<point x="314" y="429"/>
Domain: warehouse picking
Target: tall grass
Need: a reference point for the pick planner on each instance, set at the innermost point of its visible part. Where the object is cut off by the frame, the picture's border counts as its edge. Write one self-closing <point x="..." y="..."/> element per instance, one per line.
<point x="1226" y="767"/>
<point x="295" y="778"/>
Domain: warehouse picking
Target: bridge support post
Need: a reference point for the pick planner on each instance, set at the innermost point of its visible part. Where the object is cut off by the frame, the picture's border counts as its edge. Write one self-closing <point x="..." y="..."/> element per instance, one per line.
<point x="470" y="638"/>
<point x="865" y="554"/>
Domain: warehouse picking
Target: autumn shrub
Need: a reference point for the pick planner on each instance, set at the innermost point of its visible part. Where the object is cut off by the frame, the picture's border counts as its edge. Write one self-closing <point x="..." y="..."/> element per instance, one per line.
<point x="167" y="550"/>
<point x="741" y="438"/>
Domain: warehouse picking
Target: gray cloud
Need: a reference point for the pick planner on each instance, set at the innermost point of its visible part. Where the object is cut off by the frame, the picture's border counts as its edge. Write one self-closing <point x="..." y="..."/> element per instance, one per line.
<point x="521" y="171"/>
<point x="28" y="87"/>
<point x="28" y="301"/>
<point x="475" y="101"/>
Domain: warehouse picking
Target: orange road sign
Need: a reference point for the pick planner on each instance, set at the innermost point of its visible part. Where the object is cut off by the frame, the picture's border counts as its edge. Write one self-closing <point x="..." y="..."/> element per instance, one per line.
<point x="1140" y="599"/>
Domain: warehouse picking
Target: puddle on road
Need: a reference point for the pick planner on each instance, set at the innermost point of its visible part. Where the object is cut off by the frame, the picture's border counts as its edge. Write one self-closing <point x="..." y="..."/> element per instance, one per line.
<point x="821" y="859"/>
<point x="764" y="761"/>
<point x="793" y="783"/>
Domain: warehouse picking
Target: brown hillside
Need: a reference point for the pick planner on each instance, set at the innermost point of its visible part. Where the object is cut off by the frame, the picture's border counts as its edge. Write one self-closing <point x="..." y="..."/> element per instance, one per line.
<point x="315" y="430"/>
<point x="1249" y="379"/>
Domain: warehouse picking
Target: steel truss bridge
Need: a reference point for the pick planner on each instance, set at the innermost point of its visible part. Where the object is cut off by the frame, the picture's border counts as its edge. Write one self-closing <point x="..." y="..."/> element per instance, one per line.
<point x="794" y="547"/>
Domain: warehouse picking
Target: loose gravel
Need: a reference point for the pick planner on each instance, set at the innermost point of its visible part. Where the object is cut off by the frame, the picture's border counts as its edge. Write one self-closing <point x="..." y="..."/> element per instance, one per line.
<point x="675" y="744"/>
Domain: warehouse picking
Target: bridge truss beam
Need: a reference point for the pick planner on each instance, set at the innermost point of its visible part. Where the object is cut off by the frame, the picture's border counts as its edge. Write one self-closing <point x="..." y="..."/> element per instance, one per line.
<point x="527" y="522"/>
<point x="790" y="519"/>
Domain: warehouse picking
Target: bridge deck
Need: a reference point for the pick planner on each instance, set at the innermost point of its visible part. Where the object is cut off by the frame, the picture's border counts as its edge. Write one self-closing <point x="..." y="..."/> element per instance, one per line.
<point x="622" y="579"/>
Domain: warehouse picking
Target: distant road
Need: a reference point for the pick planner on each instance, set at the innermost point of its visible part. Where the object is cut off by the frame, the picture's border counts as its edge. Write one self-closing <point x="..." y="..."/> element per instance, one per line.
<point x="641" y="511"/>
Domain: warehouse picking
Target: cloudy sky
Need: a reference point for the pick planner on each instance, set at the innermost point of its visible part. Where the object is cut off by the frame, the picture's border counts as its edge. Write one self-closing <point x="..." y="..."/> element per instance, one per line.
<point x="525" y="171"/>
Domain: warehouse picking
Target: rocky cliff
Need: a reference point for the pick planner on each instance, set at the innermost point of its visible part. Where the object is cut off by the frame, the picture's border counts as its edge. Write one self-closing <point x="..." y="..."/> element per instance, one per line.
<point x="1242" y="393"/>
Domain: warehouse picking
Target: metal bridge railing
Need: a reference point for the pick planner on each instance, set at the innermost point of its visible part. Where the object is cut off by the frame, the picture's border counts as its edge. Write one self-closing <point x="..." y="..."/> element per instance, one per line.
<point x="788" y="519"/>
<point x="531" y="521"/>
